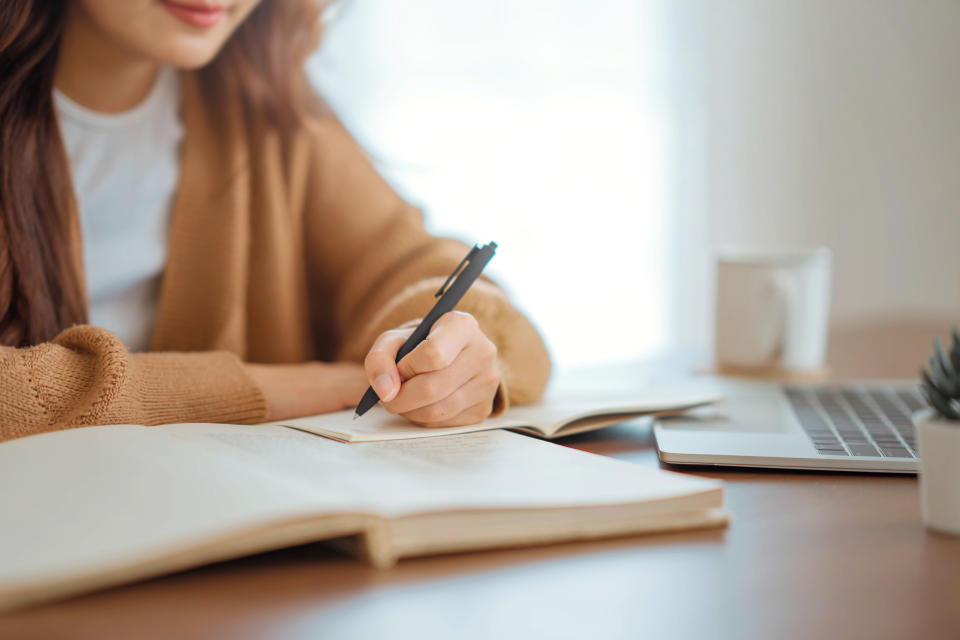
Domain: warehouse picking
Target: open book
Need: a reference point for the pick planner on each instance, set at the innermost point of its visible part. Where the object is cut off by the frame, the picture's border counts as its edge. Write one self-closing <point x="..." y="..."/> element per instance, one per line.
<point x="556" y="416"/>
<point x="88" y="508"/>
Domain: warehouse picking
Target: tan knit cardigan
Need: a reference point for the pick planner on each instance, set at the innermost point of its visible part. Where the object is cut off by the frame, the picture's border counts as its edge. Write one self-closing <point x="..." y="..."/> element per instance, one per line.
<point x="277" y="253"/>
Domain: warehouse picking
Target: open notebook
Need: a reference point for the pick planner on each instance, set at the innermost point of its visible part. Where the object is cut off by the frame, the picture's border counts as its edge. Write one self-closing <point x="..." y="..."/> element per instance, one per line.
<point x="556" y="416"/>
<point x="88" y="508"/>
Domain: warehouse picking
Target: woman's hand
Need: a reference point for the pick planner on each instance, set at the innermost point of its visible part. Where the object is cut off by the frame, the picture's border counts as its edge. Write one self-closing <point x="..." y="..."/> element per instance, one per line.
<point x="449" y="379"/>
<point x="295" y="390"/>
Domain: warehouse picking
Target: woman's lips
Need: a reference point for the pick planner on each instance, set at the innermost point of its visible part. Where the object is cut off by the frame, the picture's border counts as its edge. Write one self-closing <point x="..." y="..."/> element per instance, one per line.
<point x="198" y="15"/>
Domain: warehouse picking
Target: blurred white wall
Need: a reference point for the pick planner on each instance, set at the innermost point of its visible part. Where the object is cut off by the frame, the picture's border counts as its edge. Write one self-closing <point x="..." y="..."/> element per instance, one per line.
<point x="834" y="122"/>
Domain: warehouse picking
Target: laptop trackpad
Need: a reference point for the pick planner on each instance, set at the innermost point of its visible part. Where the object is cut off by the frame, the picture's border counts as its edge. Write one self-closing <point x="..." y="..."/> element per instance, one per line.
<point x="764" y="411"/>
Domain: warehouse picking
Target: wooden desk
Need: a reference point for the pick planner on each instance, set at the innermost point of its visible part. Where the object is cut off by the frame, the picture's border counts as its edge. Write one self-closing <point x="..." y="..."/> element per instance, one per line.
<point x="807" y="555"/>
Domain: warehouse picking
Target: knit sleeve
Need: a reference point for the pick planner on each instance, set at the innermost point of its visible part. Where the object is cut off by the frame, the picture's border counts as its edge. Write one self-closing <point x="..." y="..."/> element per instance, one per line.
<point x="380" y="267"/>
<point x="85" y="376"/>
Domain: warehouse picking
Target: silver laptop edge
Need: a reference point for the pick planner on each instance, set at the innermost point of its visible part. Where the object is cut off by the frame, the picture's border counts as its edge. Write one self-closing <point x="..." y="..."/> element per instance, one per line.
<point x="756" y="425"/>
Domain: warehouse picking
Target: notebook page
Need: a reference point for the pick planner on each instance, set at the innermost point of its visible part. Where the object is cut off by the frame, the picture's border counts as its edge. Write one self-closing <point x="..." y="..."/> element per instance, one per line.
<point x="483" y="470"/>
<point x="374" y="426"/>
<point x="84" y="500"/>
<point x="546" y="417"/>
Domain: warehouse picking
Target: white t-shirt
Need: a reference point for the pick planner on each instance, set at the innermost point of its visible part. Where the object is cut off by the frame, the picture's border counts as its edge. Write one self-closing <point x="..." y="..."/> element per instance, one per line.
<point x="125" y="169"/>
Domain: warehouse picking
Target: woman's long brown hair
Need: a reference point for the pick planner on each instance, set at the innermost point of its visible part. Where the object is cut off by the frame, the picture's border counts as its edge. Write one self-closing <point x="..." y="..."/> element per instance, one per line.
<point x="260" y="67"/>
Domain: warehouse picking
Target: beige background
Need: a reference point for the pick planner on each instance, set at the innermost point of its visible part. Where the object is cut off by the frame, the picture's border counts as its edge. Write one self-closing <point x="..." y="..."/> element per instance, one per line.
<point x="823" y="122"/>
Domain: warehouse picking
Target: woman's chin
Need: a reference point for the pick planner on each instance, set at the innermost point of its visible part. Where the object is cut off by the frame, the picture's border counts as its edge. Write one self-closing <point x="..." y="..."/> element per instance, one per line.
<point x="183" y="46"/>
<point x="188" y="55"/>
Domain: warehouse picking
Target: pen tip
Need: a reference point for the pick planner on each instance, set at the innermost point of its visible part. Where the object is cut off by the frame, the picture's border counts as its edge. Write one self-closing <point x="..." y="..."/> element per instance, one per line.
<point x="356" y="415"/>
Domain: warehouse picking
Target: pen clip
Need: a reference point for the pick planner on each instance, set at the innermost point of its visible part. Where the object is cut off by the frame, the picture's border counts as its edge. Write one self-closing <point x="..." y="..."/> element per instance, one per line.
<point x="456" y="271"/>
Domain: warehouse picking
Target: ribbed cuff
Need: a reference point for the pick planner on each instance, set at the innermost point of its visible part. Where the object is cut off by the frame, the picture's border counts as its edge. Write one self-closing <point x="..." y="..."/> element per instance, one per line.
<point x="210" y="386"/>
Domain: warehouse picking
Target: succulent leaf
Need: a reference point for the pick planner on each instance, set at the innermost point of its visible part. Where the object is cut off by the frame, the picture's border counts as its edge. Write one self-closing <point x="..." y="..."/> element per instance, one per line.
<point x="942" y="371"/>
<point x="955" y="351"/>
<point x="941" y="355"/>
<point x="941" y="380"/>
<point x="941" y="404"/>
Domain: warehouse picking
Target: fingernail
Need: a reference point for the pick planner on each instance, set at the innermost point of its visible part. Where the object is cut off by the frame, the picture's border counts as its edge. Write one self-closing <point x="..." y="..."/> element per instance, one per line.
<point x="383" y="385"/>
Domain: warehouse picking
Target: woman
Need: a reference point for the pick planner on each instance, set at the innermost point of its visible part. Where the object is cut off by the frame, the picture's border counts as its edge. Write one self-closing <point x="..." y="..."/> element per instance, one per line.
<point x="167" y="176"/>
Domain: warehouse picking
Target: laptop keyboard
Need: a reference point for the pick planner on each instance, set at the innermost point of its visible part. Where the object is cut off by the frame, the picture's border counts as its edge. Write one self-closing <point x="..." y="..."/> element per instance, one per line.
<point x="858" y="422"/>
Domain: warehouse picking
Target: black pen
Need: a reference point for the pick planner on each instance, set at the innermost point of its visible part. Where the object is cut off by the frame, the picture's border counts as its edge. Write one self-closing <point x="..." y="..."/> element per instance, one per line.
<point x="449" y="295"/>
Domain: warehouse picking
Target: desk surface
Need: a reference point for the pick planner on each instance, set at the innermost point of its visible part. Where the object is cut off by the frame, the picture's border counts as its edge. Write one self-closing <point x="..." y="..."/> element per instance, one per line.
<point x="807" y="555"/>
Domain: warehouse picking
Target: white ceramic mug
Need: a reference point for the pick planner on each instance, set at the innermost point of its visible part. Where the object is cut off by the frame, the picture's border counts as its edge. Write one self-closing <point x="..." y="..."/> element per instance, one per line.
<point x="773" y="308"/>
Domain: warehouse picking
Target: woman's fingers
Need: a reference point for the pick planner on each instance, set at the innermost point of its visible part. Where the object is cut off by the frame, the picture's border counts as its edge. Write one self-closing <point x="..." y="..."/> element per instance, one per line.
<point x="449" y="378"/>
<point x="471" y="415"/>
<point x="380" y="363"/>
<point x="478" y="389"/>
<point x="429" y="388"/>
<point x="450" y="335"/>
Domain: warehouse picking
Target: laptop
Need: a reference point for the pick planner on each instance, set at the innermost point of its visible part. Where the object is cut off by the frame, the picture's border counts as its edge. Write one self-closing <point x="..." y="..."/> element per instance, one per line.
<point x="854" y="426"/>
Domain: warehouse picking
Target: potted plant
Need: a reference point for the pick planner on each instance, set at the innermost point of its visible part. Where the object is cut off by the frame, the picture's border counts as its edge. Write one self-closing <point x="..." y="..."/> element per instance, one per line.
<point x="938" y="433"/>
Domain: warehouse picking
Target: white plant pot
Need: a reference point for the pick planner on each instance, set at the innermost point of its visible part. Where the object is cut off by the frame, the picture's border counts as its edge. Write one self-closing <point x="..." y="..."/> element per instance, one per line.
<point x="939" y="442"/>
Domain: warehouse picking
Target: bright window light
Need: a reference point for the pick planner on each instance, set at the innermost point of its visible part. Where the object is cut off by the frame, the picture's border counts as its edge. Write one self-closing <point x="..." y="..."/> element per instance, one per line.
<point x="532" y="123"/>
